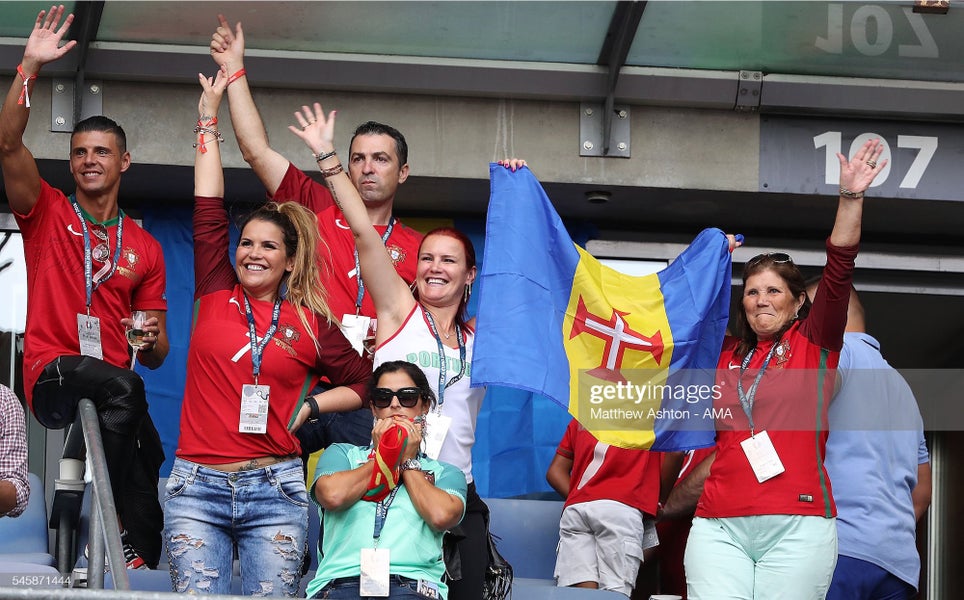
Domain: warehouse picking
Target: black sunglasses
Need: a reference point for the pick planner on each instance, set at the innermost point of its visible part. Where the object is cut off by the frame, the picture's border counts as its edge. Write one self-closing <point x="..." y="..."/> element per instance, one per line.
<point x="774" y="257"/>
<point x="407" y="396"/>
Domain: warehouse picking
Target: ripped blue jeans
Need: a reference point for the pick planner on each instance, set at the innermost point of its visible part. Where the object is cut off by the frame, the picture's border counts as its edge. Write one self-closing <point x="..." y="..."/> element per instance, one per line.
<point x="262" y="512"/>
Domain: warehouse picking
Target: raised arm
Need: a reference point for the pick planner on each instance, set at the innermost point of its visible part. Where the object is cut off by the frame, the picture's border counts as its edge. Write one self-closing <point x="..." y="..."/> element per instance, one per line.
<point x="20" y="175"/>
<point x="391" y="295"/>
<point x="208" y="171"/>
<point x="212" y="270"/>
<point x="227" y="50"/>
<point x="856" y="175"/>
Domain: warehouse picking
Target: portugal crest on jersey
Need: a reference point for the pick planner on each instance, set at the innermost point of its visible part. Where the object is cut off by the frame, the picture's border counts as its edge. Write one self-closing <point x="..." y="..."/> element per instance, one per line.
<point x="396" y="253"/>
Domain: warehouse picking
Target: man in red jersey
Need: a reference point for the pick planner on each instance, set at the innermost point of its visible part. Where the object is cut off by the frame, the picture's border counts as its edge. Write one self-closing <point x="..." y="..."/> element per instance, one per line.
<point x="89" y="265"/>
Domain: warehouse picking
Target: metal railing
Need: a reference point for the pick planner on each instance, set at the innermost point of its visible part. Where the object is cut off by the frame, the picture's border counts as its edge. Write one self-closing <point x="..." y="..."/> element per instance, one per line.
<point x="104" y="531"/>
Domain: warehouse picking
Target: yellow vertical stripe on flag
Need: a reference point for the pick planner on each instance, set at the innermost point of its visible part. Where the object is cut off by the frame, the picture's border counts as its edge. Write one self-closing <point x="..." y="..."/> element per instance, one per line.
<point x="614" y="327"/>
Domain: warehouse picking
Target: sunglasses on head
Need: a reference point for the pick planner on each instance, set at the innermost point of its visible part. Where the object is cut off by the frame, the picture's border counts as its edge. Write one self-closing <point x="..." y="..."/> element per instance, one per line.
<point x="407" y="396"/>
<point x="774" y="257"/>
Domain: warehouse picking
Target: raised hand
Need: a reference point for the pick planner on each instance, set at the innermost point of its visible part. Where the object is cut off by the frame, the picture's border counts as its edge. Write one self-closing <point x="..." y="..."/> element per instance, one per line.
<point x="212" y="92"/>
<point x="513" y="163"/>
<point x="734" y="241"/>
<point x="316" y="131"/>
<point x="858" y="173"/>
<point x="43" y="45"/>
<point x="227" y="47"/>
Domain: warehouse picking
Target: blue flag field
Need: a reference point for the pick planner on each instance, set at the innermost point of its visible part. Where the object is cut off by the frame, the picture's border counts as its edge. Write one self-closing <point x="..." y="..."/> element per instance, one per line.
<point x="631" y="358"/>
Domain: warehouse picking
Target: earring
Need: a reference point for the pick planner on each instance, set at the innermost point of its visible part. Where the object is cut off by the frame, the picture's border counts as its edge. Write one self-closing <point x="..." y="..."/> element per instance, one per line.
<point x="467" y="293"/>
<point x="422" y="423"/>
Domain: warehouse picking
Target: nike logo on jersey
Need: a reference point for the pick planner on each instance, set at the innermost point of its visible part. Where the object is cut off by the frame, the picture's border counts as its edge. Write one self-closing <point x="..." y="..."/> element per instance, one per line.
<point x="340" y="224"/>
<point x="70" y="228"/>
<point x="732" y="366"/>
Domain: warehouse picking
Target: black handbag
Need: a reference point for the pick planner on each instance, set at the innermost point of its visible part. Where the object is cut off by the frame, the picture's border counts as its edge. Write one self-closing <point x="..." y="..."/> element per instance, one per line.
<point x="498" y="574"/>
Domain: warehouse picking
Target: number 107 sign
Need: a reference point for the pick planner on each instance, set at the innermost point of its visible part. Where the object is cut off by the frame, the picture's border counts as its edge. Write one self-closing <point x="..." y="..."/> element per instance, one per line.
<point x="799" y="156"/>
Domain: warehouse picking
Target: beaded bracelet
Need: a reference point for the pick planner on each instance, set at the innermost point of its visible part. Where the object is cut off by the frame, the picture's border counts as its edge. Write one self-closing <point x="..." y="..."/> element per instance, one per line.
<point x="326" y="173"/>
<point x="850" y="194"/>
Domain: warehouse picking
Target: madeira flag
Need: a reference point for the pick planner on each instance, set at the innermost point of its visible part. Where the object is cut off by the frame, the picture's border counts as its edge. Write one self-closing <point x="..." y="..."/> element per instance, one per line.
<point x="632" y="358"/>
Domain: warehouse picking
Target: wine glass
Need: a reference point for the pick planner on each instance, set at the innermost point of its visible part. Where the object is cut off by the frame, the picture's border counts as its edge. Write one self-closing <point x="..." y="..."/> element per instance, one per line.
<point x="135" y="334"/>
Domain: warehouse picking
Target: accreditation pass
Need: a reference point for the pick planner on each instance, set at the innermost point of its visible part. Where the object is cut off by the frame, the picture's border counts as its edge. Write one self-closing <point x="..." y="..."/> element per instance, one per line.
<point x="254" y="408"/>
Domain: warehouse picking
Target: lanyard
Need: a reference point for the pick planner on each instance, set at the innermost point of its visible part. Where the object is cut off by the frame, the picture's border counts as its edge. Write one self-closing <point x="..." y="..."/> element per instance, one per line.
<point x="361" y="284"/>
<point x="381" y="513"/>
<point x="442" y="362"/>
<point x="258" y="348"/>
<point x="89" y="283"/>
<point x="746" y="399"/>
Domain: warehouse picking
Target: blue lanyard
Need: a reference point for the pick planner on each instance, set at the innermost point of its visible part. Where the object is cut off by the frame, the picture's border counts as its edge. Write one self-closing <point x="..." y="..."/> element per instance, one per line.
<point x="258" y="348"/>
<point x="381" y="513"/>
<point x="442" y="362"/>
<point x="361" y="284"/>
<point x="746" y="400"/>
<point x="89" y="282"/>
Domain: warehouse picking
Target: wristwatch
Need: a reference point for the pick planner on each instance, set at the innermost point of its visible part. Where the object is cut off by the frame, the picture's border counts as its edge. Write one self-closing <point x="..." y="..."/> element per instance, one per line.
<point x="411" y="464"/>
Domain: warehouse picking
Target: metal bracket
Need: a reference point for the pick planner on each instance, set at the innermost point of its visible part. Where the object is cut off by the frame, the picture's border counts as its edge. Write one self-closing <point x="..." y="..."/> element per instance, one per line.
<point x="749" y="92"/>
<point x="591" y="138"/>
<point x="63" y="97"/>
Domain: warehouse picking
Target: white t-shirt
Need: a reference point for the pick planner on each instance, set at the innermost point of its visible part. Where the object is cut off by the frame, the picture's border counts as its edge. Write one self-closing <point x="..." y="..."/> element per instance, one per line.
<point x="415" y="343"/>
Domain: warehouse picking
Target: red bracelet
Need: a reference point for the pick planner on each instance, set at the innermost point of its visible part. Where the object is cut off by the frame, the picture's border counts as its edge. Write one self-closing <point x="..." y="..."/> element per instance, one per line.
<point x="24" y="96"/>
<point x="203" y="128"/>
<point x="238" y="75"/>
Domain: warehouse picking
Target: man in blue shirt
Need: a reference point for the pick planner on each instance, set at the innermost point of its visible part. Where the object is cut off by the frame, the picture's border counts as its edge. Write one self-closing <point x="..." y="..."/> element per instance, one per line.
<point x="879" y="468"/>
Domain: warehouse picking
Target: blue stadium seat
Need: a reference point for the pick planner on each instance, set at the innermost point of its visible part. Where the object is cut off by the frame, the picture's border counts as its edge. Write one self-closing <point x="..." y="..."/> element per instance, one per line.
<point x="527" y="533"/>
<point x="533" y="589"/>
<point x="24" y="539"/>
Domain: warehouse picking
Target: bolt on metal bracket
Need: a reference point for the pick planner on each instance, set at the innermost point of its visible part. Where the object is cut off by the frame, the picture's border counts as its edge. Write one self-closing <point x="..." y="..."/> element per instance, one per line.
<point x="62" y="98"/>
<point x="591" y="138"/>
<point x="749" y="91"/>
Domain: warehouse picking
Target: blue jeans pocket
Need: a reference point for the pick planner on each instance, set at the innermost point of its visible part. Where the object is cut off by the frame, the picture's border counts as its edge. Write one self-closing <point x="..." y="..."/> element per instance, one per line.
<point x="176" y="483"/>
<point x="292" y="489"/>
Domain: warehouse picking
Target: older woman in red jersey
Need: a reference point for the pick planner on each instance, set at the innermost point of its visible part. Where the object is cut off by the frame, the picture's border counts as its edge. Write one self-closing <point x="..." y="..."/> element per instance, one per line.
<point x="764" y="525"/>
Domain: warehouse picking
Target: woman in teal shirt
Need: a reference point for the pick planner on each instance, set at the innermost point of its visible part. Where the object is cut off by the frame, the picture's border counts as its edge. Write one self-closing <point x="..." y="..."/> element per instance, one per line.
<point x="394" y="544"/>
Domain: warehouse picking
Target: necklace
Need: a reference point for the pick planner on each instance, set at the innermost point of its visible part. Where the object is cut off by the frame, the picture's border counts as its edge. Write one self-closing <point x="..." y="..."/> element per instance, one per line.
<point x="447" y="336"/>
